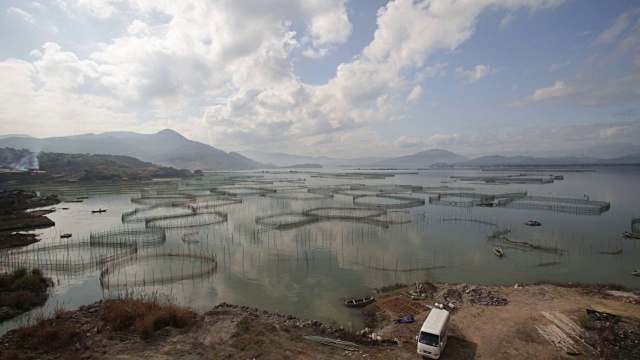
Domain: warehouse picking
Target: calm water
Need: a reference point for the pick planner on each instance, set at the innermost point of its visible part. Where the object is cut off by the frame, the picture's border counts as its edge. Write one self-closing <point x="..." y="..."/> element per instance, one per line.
<point x="309" y="270"/>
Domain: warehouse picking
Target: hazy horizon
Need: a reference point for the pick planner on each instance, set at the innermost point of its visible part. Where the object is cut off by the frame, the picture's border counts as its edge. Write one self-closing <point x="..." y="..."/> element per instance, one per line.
<point x="337" y="78"/>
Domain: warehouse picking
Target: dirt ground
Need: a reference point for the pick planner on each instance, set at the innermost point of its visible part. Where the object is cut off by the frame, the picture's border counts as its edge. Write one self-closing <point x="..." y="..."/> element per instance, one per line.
<point x="478" y="331"/>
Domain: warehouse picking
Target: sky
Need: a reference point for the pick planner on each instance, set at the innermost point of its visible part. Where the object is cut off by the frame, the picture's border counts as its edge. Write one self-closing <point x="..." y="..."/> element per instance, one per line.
<point x="332" y="78"/>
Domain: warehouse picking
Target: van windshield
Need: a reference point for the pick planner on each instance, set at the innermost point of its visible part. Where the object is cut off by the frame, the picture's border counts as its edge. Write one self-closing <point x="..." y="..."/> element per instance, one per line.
<point x="429" y="339"/>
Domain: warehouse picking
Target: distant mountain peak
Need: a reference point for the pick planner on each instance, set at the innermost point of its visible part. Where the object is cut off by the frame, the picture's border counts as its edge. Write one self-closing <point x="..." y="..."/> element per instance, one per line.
<point x="168" y="133"/>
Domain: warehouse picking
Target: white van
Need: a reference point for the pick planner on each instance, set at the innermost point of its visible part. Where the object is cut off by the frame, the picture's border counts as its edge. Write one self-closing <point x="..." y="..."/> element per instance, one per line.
<point x="433" y="334"/>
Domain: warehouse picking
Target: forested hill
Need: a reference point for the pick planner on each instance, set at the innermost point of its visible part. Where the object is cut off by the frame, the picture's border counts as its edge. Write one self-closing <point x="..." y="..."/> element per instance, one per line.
<point x="87" y="166"/>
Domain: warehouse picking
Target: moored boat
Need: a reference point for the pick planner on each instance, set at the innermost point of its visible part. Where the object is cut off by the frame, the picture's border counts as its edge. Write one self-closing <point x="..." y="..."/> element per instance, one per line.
<point x="65" y="236"/>
<point x="631" y="235"/>
<point x="98" y="211"/>
<point x="360" y="302"/>
<point x="532" y="223"/>
<point x="498" y="251"/>
<point x="635" y="272"/>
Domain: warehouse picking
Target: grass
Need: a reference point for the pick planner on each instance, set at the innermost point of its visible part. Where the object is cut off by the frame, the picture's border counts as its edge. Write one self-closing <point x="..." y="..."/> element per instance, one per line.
<point x="144" y="316"/>
<point x="586" y="322"/>
<point x="23" y="289"/>
<point x="49" y="333"/>
<point x="61" y="330"/>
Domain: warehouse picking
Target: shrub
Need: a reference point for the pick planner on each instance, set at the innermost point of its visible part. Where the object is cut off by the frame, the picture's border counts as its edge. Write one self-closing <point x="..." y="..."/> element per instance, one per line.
<point x="145" y="316"/>
<point x="586" y="322"/>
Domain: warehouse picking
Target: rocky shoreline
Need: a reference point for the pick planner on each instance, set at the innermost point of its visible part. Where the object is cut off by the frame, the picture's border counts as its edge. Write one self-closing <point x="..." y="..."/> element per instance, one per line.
<point x="487" y="322"/>
<point x="14" y="217"/>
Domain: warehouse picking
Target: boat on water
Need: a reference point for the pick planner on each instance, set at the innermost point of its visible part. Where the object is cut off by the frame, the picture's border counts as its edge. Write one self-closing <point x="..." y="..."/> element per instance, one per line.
<point x="498" y="251"/>
<point x="359" y="302"/>
<point x="65" y="236"/>
<point x="98" y="211"/>
<point x="487" y="204"/>
<point x="532" y="223"/>
<point x="631" y="235"/>
<point x="635" y="272"/>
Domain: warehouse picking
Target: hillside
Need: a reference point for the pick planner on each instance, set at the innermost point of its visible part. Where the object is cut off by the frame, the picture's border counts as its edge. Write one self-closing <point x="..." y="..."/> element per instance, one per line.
<point x="422" y="159"/>
<point x="84" y="167"/>
<point x="167" y="148"/>
<point x="281" y="159"/>
<point x="498" y="160"/>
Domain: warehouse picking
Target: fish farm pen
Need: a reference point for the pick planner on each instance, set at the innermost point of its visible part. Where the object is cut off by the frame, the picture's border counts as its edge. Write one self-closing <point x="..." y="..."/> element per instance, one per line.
<point x="264" y="239"/>
<point x="68" y="257"/>
<point x="559" y="204"/>
<point x="142" y="237"/>
<point x="155" y="268"/>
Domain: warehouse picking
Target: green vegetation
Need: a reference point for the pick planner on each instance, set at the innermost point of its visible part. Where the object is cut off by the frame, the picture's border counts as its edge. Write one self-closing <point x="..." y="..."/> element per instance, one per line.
<point x="586" y="322"/>
<point x="83" y="167"/>
<point x="22" y="290"/>
<point x="105" y="167"/>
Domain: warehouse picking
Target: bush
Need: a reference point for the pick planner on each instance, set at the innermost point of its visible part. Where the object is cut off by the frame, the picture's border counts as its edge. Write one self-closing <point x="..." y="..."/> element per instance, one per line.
<point x="144" y="316"/>
<point x="23" y="289"/>
<point x="586" y="322"/>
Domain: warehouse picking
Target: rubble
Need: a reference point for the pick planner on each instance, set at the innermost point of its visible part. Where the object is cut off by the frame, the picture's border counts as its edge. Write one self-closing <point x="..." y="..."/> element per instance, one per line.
<point x="458" y="295"/>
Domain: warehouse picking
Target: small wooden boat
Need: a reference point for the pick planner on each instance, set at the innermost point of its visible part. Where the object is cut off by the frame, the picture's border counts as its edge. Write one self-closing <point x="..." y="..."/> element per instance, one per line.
<point x="631" y="235"/>
<point x="487" y="204"/>
<point x="360" y="302"/>
<point x="98" y="211"/>
<point x="635" y="272"/>
<point x="65" y="236"/>
<point x="532" y="223"/>
<point x="498" y="251"/>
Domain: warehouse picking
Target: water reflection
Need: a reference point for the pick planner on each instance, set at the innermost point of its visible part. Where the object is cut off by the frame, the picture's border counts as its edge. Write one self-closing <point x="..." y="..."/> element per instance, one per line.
<point x="300" y="243"/>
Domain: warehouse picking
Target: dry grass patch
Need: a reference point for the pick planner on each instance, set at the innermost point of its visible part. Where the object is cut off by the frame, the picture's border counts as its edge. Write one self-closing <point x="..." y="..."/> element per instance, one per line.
<point x="49" y="334"/>
<point x="144" y="316"/>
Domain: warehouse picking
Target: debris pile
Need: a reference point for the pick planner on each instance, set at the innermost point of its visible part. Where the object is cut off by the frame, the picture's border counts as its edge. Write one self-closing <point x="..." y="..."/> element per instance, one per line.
<point x="457" y="295"/>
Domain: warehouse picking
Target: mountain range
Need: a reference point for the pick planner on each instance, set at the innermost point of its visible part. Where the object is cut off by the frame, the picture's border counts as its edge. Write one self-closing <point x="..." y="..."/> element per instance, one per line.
<point x="165" y="148"/>
<point x="169" y="148"/>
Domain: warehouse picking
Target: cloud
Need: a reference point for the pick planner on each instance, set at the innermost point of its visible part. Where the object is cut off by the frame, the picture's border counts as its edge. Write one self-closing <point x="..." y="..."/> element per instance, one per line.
<point x="614" y="31"/>
<point x="49" y="111"/>
<point x="21" y="13"/>
<point x="431" y="72"/>
<point x="405" y="142"/>
<point x="227" y="67"/>
<point x="557" y="66"/>
<point x="37" y="5"/>
<point x="471" y="76"/>
<point x="63" y="70"/>
<point x="506" y="20"/>
<point x="532" y="139"/>
<point x="558" y="90"/>
<point x="415" y="94"/>
<point x="632" y="112"/>
<point x="102" y="9"/>
<point x="328" y="25"/>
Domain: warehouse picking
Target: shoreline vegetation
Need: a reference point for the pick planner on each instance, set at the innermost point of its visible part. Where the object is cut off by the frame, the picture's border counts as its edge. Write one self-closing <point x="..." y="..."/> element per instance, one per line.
<point x="605" y="320"/>
<point x="15" y="218"/>
<point x="22" y="290"/>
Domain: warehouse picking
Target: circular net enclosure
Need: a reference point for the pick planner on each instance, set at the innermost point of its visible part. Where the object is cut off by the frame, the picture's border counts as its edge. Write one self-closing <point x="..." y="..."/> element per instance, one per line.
<point x="142" y="237"/>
